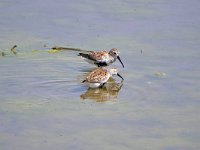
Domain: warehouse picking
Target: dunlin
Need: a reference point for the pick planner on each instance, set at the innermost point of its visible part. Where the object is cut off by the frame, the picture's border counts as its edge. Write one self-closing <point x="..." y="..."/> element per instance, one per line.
<point x="100" y="76"/>
<point x="102" y="58"/>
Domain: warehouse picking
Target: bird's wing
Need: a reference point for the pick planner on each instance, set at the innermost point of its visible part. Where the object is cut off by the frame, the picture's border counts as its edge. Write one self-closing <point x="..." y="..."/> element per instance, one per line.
<point x="87" y="56"/>
<point x="98" y="75"/>
<point x="101" y="56"/>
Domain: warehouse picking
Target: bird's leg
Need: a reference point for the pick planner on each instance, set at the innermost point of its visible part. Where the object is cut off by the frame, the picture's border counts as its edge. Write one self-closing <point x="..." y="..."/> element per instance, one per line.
<point x="102" y="85"/>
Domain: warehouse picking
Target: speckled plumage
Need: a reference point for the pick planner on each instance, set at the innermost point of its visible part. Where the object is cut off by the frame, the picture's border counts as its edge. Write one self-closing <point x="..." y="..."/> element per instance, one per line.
<point x="100" y="76"/>
<point x="102" y="58"/>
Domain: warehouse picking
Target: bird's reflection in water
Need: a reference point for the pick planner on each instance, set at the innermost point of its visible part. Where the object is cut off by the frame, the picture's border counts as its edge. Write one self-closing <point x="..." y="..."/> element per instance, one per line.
<point x="108" y="93"/>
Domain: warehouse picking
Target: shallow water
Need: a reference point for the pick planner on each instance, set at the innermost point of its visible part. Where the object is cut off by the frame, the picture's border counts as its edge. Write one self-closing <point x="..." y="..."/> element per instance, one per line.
<point x="44" y="105"/>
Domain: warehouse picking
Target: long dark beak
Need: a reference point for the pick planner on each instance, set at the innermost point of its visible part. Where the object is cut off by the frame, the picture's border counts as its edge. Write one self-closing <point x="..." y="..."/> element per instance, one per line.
<point x="120" y="76"/>
<point x="120" y="61"/>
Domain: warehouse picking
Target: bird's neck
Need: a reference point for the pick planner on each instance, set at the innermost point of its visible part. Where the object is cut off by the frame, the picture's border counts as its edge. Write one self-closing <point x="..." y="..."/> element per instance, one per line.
<point x="112" y="59"/>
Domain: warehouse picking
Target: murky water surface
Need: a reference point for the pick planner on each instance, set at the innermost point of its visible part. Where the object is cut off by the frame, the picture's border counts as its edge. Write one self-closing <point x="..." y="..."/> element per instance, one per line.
<point x="44" y="105"/>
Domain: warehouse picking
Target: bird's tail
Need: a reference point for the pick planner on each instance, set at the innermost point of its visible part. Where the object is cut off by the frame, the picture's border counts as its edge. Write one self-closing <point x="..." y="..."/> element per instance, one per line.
<point x="83" y="81"/>
<point x="83" y="55"/>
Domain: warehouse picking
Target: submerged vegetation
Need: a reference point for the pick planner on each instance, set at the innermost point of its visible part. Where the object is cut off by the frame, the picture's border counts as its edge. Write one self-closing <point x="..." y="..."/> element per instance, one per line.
<point x="12" y="50"/>
<point x="59" y="48"/>
<point x="54" y="49"/>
